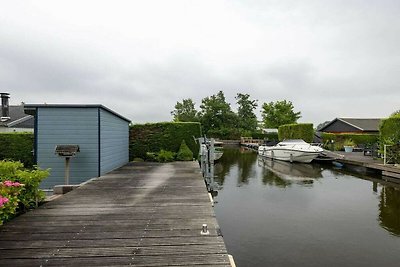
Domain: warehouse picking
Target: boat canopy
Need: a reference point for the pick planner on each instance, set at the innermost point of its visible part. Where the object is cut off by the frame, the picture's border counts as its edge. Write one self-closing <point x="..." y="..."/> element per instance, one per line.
<point x="292" y="142"/>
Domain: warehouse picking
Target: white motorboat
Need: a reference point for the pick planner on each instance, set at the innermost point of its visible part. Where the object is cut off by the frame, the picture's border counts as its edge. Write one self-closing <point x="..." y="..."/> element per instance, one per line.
<point x="295" y="150"/>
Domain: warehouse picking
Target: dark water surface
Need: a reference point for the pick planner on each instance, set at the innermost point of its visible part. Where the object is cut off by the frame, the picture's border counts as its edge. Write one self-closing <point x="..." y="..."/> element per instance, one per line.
<point x="280" y="214"/>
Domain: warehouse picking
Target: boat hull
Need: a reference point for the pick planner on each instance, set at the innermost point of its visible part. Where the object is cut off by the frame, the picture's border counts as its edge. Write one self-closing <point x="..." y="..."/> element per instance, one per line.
<point x="288" y="154"/>
<point x="218" y="155"/>
<point x="204" y="149"/>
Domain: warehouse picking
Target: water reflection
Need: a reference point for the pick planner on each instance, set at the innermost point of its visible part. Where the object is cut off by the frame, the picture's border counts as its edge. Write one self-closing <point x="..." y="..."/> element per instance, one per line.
<point x="243" y="158"/>
<point x="269" y="178"/>
<point x="389" y="199"/>
<point x="284" y="174"/>
<point x="299" y="173"/>
<point x="325" y="216"/>
<point x="389" y="209"/>
<point x="278" y="173"/>
<point x="301" y="170"/>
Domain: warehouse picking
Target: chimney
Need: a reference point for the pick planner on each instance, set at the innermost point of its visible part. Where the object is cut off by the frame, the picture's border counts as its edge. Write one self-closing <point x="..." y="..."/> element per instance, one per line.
<point x="5" y="111"/>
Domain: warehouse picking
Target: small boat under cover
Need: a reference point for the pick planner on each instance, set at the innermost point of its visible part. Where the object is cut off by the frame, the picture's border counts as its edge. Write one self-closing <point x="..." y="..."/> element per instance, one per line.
<point x="209" y="145"/>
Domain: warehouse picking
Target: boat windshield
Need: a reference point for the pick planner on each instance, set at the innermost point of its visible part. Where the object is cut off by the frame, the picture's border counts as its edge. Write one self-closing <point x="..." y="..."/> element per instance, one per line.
<point x="292" y="142"/>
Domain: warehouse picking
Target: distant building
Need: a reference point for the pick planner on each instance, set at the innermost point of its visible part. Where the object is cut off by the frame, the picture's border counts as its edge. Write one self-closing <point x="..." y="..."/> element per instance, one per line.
<point x="352" y="125"/>
<point x="13" y="118"/>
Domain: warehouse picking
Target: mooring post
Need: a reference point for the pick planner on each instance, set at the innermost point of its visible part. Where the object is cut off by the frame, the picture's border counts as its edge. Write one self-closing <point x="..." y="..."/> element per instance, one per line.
<point x="385" y="154"/>
<point x="203" y="160"/>
<point x="204" y="229"/>
<point x="67" y="170"/>
<point x="211" y="159"/>
<point x="207" y="164"/>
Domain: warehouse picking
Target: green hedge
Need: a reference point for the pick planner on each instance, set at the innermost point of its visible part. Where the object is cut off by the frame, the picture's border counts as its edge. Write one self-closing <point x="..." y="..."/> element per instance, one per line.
<point x="152" y="137"/>
<point x="17" y="147"/>
<point x="340" y="139"/>
<point x="237" y="133"/>
<point x="358" y="139"/>
<point x="303" y="131"/>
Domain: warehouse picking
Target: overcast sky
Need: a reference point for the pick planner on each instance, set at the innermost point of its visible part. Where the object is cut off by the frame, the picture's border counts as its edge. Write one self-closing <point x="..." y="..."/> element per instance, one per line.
<point x="330" y="58"/>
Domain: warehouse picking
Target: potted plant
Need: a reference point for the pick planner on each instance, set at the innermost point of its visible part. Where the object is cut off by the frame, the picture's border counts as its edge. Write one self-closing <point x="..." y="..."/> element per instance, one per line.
<point x="348" y="145"/>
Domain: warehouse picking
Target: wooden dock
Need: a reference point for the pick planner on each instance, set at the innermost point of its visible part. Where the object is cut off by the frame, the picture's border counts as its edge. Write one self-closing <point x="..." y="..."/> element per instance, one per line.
<point x="358" y="159"/>
<point x="251" y="143"/>
<point x="143" y="214"/>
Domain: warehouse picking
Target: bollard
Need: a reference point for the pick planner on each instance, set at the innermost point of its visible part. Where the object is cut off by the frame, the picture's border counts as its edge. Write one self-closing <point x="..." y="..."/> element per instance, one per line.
<point x="204" y="230"/>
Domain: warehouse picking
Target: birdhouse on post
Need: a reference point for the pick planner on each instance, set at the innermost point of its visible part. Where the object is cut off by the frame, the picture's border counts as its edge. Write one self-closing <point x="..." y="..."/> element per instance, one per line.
<point x="66" y="151"/>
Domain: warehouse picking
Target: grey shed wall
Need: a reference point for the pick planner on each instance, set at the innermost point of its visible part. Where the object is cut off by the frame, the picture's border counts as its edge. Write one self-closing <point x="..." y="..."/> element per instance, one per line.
<point x="102" y="137"/>
<point x="114" y="142"/>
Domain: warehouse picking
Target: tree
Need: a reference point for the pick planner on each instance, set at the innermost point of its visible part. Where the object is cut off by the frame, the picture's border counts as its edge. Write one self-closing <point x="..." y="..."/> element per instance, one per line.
<point x="184" y="153"/>
<point x="216" y="113"/>
<point x="279" y="113"/>
<point x="185" y="111"/>
<point x="246" y="115"/>
<point x="395" y="114"/>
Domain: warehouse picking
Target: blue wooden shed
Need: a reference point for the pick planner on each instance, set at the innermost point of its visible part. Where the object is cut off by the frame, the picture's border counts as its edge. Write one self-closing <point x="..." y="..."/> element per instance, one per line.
<point x="102" y="136"/>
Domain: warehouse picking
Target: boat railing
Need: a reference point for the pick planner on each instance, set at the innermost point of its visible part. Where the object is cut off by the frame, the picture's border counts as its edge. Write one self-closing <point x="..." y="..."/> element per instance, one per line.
<point x="316" y="144"/>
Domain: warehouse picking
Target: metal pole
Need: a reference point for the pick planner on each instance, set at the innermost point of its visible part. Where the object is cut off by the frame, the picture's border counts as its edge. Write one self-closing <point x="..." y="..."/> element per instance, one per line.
<point x="208" y="163"/>
<point x="204" y="161"/>
<point x="67" y="170"/>
<point x="384" y="154"/>
<point x="212" y="157"/>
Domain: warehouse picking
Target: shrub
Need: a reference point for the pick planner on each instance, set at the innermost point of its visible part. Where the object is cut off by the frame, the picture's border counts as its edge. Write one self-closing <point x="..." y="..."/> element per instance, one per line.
<point x="17" y="147"/>
<point x="30" y="194"/>
<point x="165" y="156"/>
<point x="348" y="142"/>
<point x="151" y="156"/>
<point x="303" y="131"/>
<point x="161" y="156"/>
<point x="167" y="136"/>
<point x="9" y="168"/>
<point x="184" y="153"/>
<point x="9" y="192"/>
<point x="390" y="135"/>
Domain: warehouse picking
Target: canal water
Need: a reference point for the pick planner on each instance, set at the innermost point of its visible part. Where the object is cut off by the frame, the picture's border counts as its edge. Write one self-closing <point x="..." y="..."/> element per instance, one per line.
<point x="281" y="214"/>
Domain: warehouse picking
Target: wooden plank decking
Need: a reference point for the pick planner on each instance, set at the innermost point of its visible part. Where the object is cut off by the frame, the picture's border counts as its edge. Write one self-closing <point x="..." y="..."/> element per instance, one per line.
<point x="358" y="159"/>
<point x="139" y="215"/>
